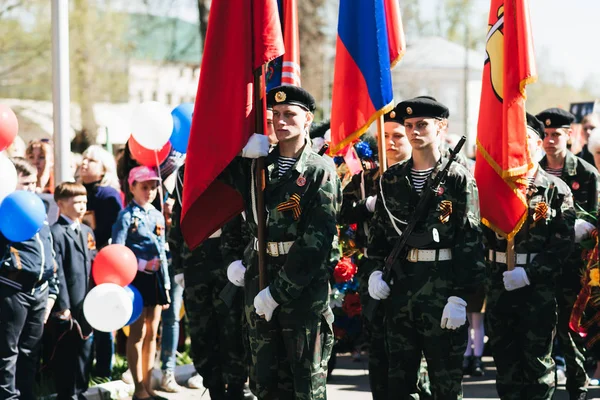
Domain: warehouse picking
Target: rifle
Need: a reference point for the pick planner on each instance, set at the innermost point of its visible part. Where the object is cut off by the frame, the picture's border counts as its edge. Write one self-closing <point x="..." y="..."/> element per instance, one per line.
<point x="228" y="293"/>
<point x="400" y="250"/>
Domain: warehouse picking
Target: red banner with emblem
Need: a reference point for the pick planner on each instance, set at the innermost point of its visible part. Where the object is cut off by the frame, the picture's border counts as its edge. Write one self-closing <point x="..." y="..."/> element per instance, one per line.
<point x="502" y="155"/>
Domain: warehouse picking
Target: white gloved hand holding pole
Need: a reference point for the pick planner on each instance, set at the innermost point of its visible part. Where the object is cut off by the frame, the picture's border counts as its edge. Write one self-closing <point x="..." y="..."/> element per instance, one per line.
<point x="257" y="146"/>
<point x="515" y="279"/>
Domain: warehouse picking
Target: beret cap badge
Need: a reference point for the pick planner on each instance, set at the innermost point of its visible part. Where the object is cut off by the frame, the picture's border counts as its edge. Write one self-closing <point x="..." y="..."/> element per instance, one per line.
<point x="280" y="96"/>
<point x="393" y="114"/>
<point x="548" y="122"/>
<point x="409" y="110"/>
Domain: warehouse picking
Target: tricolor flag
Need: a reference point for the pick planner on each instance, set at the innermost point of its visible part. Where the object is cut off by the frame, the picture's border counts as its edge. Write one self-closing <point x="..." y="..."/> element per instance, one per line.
<point x="502" y="156"/>
<point x="370" y="42"/>
<point x="239" y="40"/>
<point x="285" y="70"/>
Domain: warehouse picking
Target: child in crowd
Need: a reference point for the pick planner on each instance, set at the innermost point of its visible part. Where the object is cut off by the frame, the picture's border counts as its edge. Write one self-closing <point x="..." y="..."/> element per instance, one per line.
<point x="28" y="290"/>
<point x="75" y="249"/>
<point x="141" y="227"/>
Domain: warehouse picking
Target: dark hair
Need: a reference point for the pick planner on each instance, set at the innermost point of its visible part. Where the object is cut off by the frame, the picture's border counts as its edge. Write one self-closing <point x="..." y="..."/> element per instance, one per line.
<point x="67" y="190"/>
<point x="24" y="167"/>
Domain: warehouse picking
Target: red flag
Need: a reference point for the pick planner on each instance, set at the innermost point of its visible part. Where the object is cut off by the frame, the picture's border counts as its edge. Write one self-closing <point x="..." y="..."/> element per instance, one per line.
<point x="503" y="159"/>
<point x="240" y="38"/>
<point x="396" y="38"/>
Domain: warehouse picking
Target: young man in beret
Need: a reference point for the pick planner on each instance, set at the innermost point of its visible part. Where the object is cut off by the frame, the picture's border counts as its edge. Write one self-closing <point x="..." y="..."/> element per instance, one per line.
<point x="358" y="206"/>
<point x="521" y="303"/>
<point x="582" y="179"/>
<point x="289" y="321"/>
<point x="424" y="301"/>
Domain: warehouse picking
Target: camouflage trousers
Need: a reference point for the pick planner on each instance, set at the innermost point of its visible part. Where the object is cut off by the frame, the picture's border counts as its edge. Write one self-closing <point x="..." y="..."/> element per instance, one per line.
<point x="217" y="340"/>
<point x="571" y="344"/>
<point x="413" y="329"/>
<point x="378" y="359"/>
<point x="375" y="329"/>
<point x="290" y="354"/>
<point x="520" y="325"/>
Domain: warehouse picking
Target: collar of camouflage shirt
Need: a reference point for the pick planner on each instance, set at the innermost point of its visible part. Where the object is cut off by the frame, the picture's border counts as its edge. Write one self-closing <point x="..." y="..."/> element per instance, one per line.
<point x="300" y="164"/>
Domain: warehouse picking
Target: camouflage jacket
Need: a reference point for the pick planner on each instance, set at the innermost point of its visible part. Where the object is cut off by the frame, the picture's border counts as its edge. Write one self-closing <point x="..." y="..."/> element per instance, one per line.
<point x="235" y="237"/>
<point x="302" y="207"/>
<point x="582" y="178"/>
<point x="548" y="231"/>
<point x="354" y="209"/>
<point x="453" y="222"/>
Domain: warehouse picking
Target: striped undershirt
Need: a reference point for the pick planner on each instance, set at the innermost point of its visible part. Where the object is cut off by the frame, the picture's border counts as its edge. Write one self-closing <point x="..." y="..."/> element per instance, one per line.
<point x="419" y="177"/>
<point x="284" y="164"/>
<point x="554" y="171"/>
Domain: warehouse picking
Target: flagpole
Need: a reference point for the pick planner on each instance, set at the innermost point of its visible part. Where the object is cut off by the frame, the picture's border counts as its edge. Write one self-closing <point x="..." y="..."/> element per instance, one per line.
<point x="259" y="87"/>
<point x="510" y="254"/>
<point x="381" y="145"/>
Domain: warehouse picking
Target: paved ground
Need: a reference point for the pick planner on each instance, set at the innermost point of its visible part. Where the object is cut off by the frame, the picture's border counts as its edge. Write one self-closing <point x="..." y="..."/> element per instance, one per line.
<point x="349" y="381"/>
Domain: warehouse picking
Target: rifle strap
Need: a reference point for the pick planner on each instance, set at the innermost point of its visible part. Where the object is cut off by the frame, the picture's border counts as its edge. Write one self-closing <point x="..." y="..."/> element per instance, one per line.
<point x="392" y="218"/>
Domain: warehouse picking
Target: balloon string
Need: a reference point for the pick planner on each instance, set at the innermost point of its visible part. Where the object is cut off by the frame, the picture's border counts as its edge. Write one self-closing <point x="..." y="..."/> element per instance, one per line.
<point x="160" y="185"/>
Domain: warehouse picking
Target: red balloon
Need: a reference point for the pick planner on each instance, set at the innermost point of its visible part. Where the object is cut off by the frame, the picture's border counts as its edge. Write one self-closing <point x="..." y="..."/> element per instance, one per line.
<point x="146" y="156"/>
<point x="115" y="263"/>
<point x="9" y="126"/>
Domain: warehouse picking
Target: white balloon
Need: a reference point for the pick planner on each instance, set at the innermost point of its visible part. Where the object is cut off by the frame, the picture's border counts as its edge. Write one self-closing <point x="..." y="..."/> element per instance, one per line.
<point x="107" y="307"/>
<point x="152" y="125"/>
<point x="8" y="183"/>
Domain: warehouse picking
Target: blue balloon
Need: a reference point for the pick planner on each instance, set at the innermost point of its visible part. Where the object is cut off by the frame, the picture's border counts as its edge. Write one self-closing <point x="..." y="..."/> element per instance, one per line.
<point x="138" y="303"/>
<point x="22" y="215"/>
<point x="182" y="122"/>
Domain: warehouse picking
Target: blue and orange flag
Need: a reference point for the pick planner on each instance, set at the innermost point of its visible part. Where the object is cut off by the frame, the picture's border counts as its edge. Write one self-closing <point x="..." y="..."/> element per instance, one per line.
<point x="502" y="155"/>
<point x="285" y="70"/>
<point x="370" y="42"/>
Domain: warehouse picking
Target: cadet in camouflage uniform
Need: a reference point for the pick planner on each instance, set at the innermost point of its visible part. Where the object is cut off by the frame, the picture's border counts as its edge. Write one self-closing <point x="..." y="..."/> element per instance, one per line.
<point x="582" y="178"/>
<point x="217" y="341"/>
<point x="290" y="322"/>
<point x="357" y="208"/>
<point x="521" y="304"/>
<point x="426" y="311"/>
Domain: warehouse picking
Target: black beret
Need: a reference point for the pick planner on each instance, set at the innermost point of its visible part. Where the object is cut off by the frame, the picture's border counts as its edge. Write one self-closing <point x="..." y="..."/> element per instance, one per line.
<point x="292" y="95"/>
<point x="392" y="116"/>
<point x="556" y="118"/>
<point x="536" y="125"/>
<point x="422" y="106"/>
<point x="320" y="129"/>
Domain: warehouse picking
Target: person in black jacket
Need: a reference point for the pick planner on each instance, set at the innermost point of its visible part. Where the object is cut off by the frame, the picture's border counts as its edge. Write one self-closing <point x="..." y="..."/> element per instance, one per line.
<point x="28" y="289"/>
<point x="75" y="248"/>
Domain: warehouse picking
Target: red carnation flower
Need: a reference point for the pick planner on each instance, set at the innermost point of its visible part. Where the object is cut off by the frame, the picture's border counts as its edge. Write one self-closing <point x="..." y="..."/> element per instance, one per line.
<point x="351" y="305"/>
<point x="344" y="270"/>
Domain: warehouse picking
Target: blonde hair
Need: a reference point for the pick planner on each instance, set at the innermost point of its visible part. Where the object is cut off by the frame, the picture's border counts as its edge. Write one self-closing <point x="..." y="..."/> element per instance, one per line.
<point x="109" y="165"/>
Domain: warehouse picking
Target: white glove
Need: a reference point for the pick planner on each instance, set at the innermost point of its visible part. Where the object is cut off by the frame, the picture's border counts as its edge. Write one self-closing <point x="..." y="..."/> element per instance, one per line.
<point x="179" y="280"/>
<point x="378" y="289"/>
<point x="236" y="272"/>
<point x="583" y="229"/>
<point x="455" y="313"/>
<point x="370" y="203"/>
<point x="515" y="279"/>
<point x="257" y="146"/>
<point x="265" y="304"/>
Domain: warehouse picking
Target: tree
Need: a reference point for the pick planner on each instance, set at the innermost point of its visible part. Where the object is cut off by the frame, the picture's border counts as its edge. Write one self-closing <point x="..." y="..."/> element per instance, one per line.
<point x="84" y="71"/>
<point x="203" y="8"/>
